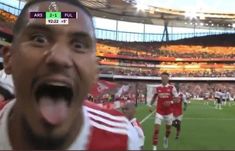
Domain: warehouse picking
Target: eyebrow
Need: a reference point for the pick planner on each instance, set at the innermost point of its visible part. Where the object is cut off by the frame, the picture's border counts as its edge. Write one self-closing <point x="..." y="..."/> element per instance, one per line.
<point x="81" y="35"/>
<point x="84" y="36"/>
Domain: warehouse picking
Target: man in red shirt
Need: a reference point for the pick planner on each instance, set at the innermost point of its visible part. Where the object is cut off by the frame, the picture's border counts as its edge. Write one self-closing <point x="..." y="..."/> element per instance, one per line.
<point x="178" y="113"/>
<point x="53" y="68"/>
<point x="165" y="95"/>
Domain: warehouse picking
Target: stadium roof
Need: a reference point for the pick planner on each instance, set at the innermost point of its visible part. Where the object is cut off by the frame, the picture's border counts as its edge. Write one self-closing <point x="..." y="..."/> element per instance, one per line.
<point x="183" y="13"/>
<point x="180" y="13"/>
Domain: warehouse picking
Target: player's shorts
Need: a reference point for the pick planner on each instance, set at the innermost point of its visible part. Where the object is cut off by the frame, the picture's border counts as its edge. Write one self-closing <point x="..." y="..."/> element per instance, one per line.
<point x="168" y="119"/>
<point x="218" y="100"/>
<point x="180" y="117"/>
<point x="223" y="100"/>
<point x="206" y="98"/>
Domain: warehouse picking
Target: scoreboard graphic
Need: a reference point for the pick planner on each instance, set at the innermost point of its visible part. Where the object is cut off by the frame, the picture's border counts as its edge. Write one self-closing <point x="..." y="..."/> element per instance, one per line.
<point x="55" y="18"/>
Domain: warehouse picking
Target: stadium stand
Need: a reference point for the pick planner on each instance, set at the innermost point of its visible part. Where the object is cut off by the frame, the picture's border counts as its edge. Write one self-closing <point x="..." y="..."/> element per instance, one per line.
<point x="176" y="73"/>
<point x="156" y="49"/>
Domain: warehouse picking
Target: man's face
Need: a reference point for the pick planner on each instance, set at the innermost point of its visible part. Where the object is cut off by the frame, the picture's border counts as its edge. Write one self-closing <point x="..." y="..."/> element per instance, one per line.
<point x="165" y="79"/>
<point x="128" y="111"/>
<point x="53" y="68"/>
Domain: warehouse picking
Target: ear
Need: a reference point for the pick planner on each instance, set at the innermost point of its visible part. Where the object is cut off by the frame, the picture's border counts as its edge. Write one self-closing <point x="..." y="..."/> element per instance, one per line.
<point x="7" y="59"/>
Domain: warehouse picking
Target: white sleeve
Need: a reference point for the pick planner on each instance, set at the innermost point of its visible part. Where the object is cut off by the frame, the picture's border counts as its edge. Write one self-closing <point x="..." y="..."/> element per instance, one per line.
<point x="141" y="135"/>
<point x="216" y="95"/>
<point x="133" y="139"/>
<point x="184" y="99"/>
<point x="228" y="95"/>
<point x="174" y="92"/>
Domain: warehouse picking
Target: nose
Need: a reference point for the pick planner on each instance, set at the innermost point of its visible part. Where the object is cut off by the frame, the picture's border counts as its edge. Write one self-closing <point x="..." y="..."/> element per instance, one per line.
<point x="59" y="56"/>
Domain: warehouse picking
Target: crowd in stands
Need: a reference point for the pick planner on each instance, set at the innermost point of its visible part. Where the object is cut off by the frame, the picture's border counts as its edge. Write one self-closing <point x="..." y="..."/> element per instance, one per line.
<point x="225" y="73"/>
<point x="176" y="65"/>
<point x="176" y="54"/>
<point x="154" y="49"/>
<point x="6" y="22"/>
<point x="156" y="72"/>
<point x="199" y="89"/>
<point x="129" y="71"/>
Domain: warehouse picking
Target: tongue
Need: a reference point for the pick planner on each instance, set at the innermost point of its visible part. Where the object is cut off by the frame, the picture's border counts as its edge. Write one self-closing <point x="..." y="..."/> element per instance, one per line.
<point x="53" y="112"/>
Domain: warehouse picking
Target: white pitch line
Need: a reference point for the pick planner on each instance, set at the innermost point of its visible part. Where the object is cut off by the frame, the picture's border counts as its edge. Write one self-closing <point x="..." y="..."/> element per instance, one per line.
<point x="216" y="119"/>
<point x="219" y="119"/>
<point x="147" y="117"/>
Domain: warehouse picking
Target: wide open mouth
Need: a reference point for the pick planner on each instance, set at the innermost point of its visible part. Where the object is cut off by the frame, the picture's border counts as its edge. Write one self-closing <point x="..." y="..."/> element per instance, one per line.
<point x="55" y="92"/>
<point x="54" y="100"/>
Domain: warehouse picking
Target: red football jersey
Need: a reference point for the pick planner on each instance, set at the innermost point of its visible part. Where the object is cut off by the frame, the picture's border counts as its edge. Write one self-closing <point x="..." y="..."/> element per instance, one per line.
<point x="177" y="107"/>
<point x="164" y="94"/>
<point x="102" y="129"/>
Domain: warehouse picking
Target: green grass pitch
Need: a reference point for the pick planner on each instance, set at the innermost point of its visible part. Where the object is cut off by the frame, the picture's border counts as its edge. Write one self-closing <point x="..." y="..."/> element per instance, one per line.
<point x="203" y="128"/>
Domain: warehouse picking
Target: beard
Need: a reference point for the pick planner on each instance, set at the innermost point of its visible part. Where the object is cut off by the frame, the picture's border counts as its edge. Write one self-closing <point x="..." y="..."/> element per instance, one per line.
<point x="47" y="142"/>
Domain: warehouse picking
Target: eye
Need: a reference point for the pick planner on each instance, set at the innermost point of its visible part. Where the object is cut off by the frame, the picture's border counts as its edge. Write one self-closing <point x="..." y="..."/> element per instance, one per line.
<point x="39" y="39"/>
<point x="79" y="46"/>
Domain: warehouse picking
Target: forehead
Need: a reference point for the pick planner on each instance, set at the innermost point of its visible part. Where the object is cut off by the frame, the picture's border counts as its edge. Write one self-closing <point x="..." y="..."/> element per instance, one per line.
<point x="82" y="23"/>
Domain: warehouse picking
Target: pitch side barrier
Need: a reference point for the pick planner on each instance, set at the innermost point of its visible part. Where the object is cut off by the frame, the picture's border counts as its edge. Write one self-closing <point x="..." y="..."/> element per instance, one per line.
<point x="153" y="78"/>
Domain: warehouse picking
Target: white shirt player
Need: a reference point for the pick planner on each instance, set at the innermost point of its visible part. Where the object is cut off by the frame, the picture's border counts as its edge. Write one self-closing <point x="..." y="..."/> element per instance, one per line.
<point x="87" y="139"/>
<point x="218" y="94"/>
<point x="184" y="97"/>
<point x="227" y="95"/>
<point x="224" y="95"/>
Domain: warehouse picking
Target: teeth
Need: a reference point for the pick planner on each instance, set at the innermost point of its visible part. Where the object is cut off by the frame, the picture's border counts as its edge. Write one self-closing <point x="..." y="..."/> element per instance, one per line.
<point x="57" y="84"/>
<point x="54" y="90"/>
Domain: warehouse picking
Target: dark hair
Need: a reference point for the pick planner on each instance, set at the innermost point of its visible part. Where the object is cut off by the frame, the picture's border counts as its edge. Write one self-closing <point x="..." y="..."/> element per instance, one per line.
<point x="22" y="19"/>
<point x="165" y="73"/>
